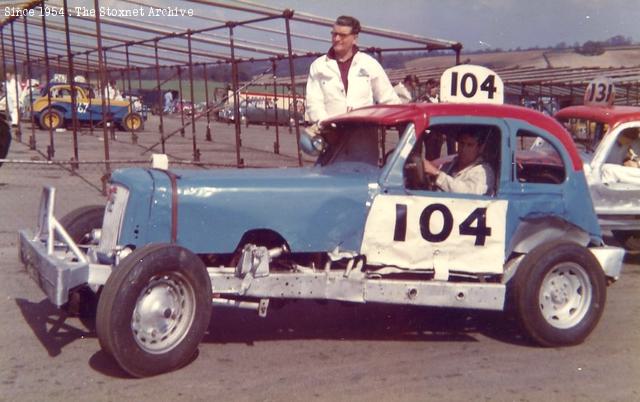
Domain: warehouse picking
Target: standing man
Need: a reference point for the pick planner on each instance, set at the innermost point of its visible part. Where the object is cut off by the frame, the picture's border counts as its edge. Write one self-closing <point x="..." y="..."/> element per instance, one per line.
<point x="168" y="102"/>
<point x="345" y="78"/>
<point x="406" y="88"/>
<point x="11" y="90"/>
<point x="111" y="91"/>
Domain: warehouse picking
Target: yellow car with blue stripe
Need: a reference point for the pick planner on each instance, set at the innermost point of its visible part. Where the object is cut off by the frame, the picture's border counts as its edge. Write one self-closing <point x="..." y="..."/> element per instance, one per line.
<point x="53" y="109"/>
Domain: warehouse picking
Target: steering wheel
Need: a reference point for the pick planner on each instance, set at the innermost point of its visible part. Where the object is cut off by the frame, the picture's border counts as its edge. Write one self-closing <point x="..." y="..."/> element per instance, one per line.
<point x="414" y="172"/>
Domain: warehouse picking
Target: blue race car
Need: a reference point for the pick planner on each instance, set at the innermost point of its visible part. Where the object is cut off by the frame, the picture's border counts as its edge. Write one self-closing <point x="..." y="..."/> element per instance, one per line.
<point x="362" y="225"/>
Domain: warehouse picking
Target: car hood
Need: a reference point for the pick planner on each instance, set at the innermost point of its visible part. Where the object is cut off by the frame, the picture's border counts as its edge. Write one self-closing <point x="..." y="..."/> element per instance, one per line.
<point x="312" y="209"/>
<point x="276" y="179"/>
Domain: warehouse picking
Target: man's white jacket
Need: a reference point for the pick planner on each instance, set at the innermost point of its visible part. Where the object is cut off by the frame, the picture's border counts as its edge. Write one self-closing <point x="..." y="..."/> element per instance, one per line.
<point x="326" y="97"/>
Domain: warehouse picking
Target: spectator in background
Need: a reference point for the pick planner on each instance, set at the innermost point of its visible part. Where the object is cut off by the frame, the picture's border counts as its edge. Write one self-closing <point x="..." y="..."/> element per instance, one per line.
<point x="12" y="91"/>
<point x="177" y="100"/>
<point x="345" y="78"/>
<point x="432" y="92"/>
<point x="406" y="89"/>
<point x="29" y="94"/>
<point x="168" y="102"/>
<point x="111" y="91"/>
<point x="22" y="85"/>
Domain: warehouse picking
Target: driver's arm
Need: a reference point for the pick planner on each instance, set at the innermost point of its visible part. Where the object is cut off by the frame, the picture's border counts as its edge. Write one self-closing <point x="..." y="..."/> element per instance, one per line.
<point x="476" y="180"/>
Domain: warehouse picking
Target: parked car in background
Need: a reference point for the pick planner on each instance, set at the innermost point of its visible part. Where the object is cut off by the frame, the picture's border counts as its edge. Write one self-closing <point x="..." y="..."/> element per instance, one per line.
<point x="609" y="142"/>
<point x="255" y="115"/>
<point x="261" y="108"/>
<point x="137" y="104"/>
<point x="183" y="106"/>
<point x="152" y="99"/>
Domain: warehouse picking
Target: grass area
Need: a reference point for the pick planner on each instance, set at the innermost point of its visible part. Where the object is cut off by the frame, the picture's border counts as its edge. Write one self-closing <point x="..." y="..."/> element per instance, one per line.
<point x="198" y="87"/>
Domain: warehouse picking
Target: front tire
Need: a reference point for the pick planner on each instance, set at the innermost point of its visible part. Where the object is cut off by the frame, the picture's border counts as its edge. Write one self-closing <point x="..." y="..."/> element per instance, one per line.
<point x="559" y="294"/>
<point x="80" y="222"/>
<point x="154" y="309"/>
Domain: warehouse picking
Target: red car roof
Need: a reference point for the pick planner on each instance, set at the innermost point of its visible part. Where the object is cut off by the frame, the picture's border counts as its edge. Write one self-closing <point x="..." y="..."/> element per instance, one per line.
<point x="419" y="114"/>
<point x="610" y="115"/>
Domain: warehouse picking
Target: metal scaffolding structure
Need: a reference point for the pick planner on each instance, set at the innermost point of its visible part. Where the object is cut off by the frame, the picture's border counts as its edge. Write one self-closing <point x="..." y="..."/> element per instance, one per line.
<point x="566" y="84"/>
<point x="106" y="43"/>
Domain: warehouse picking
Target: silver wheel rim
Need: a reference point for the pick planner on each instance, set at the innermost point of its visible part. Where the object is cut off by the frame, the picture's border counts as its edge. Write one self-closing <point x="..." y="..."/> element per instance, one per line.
<point x="565" y="295"/>
<point x="164" y="313"/>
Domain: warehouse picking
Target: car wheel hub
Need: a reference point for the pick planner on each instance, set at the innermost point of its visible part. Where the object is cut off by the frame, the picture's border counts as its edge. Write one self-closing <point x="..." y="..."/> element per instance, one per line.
<point x="164" y="313"/>
<point x="565" y="295"/>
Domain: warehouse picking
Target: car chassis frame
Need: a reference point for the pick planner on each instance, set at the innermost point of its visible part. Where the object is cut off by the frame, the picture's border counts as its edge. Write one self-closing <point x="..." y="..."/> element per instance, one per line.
<point x="64" y="267"/>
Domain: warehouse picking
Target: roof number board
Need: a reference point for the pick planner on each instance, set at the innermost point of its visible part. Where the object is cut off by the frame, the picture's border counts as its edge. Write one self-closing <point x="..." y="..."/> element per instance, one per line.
<point x="600" y="92"/>
<point x="468" y="83"/>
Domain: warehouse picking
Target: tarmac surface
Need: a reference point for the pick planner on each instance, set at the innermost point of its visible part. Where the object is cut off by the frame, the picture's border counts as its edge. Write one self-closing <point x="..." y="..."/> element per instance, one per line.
<point x="303" y="351"/>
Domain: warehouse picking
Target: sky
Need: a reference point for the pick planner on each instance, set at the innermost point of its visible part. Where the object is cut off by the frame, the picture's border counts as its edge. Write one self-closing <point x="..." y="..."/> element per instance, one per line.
<point x="479" y="24"/>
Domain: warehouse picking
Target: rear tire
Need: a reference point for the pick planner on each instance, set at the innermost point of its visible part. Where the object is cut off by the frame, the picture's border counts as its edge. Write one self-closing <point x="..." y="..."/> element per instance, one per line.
<point x="51" y="119"/>
<point x="155" y="309"/>
<point x="132" y="122"/>
<point x="559" y="293"/>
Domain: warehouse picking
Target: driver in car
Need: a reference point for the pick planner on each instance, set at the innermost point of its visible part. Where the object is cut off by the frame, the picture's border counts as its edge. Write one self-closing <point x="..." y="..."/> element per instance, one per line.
<point x="467" y="172"/>
<point x="631" y="141"/>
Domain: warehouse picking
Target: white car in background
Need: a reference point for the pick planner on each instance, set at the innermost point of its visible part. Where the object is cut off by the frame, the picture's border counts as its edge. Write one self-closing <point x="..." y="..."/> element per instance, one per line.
<point x="609" y="138"/>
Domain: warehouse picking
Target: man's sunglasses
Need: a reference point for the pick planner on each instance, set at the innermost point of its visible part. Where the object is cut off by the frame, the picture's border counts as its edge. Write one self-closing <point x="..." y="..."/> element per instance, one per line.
<point x="340" y="35"/>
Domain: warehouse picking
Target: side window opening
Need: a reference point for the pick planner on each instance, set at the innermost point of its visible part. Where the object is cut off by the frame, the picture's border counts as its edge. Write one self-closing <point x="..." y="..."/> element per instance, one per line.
<point x="537" y="160"/>
<point x="467" y="157"/>
<point x="626" y="149"/>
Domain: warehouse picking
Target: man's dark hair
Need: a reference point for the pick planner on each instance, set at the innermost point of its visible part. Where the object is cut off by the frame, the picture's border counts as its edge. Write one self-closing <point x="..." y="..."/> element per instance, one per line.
<point x="348" y="21"/>
<point x="480" y="137"/>
<point x="479" y="133"/>
<point x="432" y="82"/>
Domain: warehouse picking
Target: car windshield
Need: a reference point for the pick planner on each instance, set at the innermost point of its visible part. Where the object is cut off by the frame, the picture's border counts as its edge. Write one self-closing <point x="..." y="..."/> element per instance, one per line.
<point x="352" y="143"/>
<point x="586" y="134"/>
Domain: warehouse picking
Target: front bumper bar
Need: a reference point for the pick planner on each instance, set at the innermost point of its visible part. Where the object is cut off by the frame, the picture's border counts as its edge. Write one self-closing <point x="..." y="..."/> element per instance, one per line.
<point x="57" y="266"/>
<point x="55" y="273"/>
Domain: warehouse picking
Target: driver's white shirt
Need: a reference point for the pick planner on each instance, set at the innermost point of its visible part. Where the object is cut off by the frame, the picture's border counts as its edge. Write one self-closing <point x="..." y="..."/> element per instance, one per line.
<point x="477" y="178"/>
